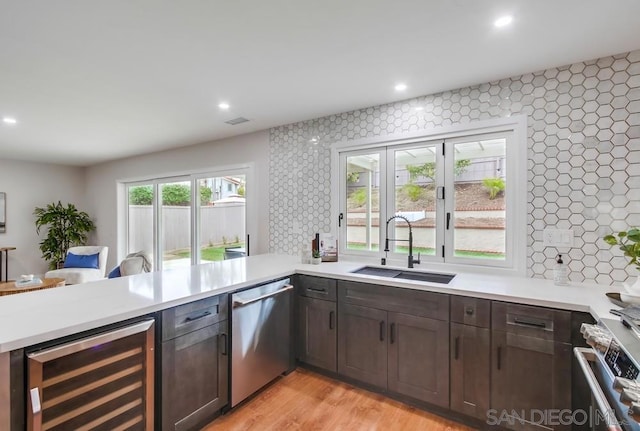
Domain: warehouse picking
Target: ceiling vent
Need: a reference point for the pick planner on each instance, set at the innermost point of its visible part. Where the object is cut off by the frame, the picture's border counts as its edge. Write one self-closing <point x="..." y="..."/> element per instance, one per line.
<point x="238" y="120"/>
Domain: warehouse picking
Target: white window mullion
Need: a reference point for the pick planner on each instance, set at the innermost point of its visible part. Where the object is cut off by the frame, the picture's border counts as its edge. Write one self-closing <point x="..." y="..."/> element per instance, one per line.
<point x="342" y="202"/>
<point x="157" y="227"/>
<point x="448" y="205"/>
<point x="440" y="203"/>
<point x="195" y="221"/>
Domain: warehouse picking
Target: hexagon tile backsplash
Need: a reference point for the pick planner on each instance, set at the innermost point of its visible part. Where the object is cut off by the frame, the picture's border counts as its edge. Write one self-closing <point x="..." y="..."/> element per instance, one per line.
<point x="583" y="158"/>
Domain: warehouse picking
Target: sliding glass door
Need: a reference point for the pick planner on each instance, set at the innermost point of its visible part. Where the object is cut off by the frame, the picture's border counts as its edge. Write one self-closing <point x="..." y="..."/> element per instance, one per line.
<point x="182" y="221"/>
<point x="222" y="217"/>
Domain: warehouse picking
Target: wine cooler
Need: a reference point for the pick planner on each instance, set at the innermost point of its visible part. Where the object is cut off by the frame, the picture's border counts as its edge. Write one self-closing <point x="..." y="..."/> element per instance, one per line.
<point x="101" y="382"/>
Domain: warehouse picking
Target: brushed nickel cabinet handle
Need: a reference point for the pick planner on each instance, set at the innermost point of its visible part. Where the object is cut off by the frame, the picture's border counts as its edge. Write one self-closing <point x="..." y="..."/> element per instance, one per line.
<point x="198" y="317"/>
<point x="223" y="348"/>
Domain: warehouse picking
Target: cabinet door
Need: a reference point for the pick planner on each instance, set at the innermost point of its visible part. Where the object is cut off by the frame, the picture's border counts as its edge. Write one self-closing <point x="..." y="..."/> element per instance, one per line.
<point x="194" y="377"/>
<point x="317" y="340"/>
<point x="419" y="358"/>
<point x="470" y="357"/>
<point x="529" y="375"/>
<point x="362" y="344"/>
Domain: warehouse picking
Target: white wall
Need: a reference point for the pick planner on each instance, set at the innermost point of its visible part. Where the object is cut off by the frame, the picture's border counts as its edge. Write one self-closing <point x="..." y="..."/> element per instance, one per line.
<point x="29" y="185"/>
<point x="102" y="183"/>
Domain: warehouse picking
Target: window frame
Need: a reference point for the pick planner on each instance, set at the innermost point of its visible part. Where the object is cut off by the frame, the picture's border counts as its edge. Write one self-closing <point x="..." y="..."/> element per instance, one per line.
<point x="382" y="160"/>
<point x="509" y="202"/>
<point x="516" y="201"/>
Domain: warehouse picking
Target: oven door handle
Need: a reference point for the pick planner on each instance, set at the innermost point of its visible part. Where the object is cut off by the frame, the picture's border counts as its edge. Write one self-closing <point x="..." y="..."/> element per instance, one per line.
<point x="584" y="356"/>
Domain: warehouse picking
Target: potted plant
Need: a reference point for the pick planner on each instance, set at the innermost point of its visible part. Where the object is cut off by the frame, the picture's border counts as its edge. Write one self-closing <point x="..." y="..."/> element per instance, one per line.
<point x="316" y="258"/>
<point x="67" y="227"/>
<point x="629" y="242"/>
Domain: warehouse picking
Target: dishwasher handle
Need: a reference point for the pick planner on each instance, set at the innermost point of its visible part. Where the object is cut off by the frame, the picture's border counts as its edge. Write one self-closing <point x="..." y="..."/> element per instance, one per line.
<point x="584" y="356"/>
<point x="242" y="302"/>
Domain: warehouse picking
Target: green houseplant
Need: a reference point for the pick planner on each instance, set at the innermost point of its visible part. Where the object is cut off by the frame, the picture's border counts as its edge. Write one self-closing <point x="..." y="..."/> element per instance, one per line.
<point x="67" y="227"/>
<point x="629" y="242"/>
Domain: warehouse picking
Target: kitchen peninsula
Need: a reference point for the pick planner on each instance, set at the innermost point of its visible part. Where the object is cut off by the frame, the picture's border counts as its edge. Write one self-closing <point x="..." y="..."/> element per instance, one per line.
<point x="33" y="318"/>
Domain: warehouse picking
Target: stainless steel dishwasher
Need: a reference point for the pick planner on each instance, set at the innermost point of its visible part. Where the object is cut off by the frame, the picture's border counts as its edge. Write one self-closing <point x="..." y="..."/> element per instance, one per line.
<point x="260" y="337"/>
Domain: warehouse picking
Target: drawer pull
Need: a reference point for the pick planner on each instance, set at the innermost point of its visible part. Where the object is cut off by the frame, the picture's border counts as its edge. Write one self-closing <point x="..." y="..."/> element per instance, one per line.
<point x="317" y="289"/>
<point x="532" y="323"/>
<point x="382" y="325"/>
<point x="331" y="317"/>
<point x="198" y="317"/>
<point x="469" y="311"/>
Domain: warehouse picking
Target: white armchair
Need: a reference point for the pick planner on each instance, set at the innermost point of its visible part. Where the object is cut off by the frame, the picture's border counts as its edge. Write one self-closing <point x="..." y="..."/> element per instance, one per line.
<point x="82" y="275"/>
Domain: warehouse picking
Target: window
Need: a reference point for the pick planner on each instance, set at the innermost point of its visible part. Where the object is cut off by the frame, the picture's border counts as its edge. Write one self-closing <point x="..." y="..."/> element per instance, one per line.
<point x="191" y="219"/>
<point x="459" y="193"/>
<point x="363" y="203"/>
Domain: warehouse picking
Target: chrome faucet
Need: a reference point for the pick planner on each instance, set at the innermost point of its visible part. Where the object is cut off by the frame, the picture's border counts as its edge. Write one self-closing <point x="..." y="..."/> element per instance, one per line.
<point x="411" y="260"/>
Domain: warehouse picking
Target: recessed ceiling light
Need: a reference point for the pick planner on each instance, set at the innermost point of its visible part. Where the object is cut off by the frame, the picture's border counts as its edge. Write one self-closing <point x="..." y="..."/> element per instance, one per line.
<point x="224" y="106"/>
<point x="9" y="120"/>
<point x="401" y="87"/>
<point x="503" y="21"/>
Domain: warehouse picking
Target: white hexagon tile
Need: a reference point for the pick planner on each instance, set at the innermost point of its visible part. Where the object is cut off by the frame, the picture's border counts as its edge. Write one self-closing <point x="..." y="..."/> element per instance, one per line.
<point x="583" y="158"/>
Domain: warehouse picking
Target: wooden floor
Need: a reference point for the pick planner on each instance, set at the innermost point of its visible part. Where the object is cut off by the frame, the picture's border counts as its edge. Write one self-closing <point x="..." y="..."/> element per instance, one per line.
<point x="307" y="401"/>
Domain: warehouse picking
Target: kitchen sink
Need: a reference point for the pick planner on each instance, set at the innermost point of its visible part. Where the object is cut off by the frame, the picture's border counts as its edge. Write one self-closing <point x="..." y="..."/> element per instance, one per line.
<point x="431" y="277"/>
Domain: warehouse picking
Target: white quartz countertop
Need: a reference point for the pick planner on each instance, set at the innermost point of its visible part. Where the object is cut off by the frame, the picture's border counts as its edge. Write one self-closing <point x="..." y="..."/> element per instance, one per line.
<point x="33" y="317"/>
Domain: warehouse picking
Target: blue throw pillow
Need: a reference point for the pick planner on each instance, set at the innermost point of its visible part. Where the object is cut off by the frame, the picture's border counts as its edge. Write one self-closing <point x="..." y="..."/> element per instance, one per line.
<point x="81" y="260"/>
<point x="115" y="272"/>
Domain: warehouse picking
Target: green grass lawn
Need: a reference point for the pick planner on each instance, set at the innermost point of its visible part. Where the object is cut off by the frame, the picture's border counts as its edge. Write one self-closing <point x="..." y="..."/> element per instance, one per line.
<point x="210" y="253"/>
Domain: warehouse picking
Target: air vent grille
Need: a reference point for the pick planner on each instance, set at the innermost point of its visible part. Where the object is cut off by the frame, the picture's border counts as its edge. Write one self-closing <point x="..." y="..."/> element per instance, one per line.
<point x="238" y="120"/>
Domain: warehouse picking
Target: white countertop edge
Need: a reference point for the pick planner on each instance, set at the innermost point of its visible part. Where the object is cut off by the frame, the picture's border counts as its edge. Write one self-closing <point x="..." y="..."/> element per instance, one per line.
<point x="132" y="314"/>
<point x="237" y="274"/>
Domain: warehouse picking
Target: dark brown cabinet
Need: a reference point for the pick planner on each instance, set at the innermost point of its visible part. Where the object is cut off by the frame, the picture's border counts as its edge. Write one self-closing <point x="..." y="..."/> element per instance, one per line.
<point x="195" y="363"/>
<point x="382" y="343"/>
<point x="470" y="356"/>
<point x="362" y="344"/>
<point x="531" y="364"/>
<point x="317" y="341"/>
<point x="419" y="358"/>
<point x="316" y="338"/>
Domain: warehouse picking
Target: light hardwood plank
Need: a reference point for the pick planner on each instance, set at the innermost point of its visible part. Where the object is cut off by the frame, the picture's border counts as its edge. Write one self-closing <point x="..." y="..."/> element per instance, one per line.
<point x="308" y="401"/>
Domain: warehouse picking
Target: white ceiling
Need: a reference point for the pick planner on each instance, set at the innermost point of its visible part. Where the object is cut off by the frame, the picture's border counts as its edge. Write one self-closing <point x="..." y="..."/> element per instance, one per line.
<point x="90" y="81"/>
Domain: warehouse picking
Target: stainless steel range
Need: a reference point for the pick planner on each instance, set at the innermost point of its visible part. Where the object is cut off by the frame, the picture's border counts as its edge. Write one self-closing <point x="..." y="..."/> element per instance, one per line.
<point x="611" y="368"/>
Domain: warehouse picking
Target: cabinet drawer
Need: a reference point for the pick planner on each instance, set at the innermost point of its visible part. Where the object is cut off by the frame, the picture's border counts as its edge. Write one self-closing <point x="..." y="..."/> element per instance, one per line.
<point x="189" y="317"/>
<point x="407" y="301"/>
<point x="471" y="311"/>
<point x="316" y="287"/>
<point x="531" y="321"/>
